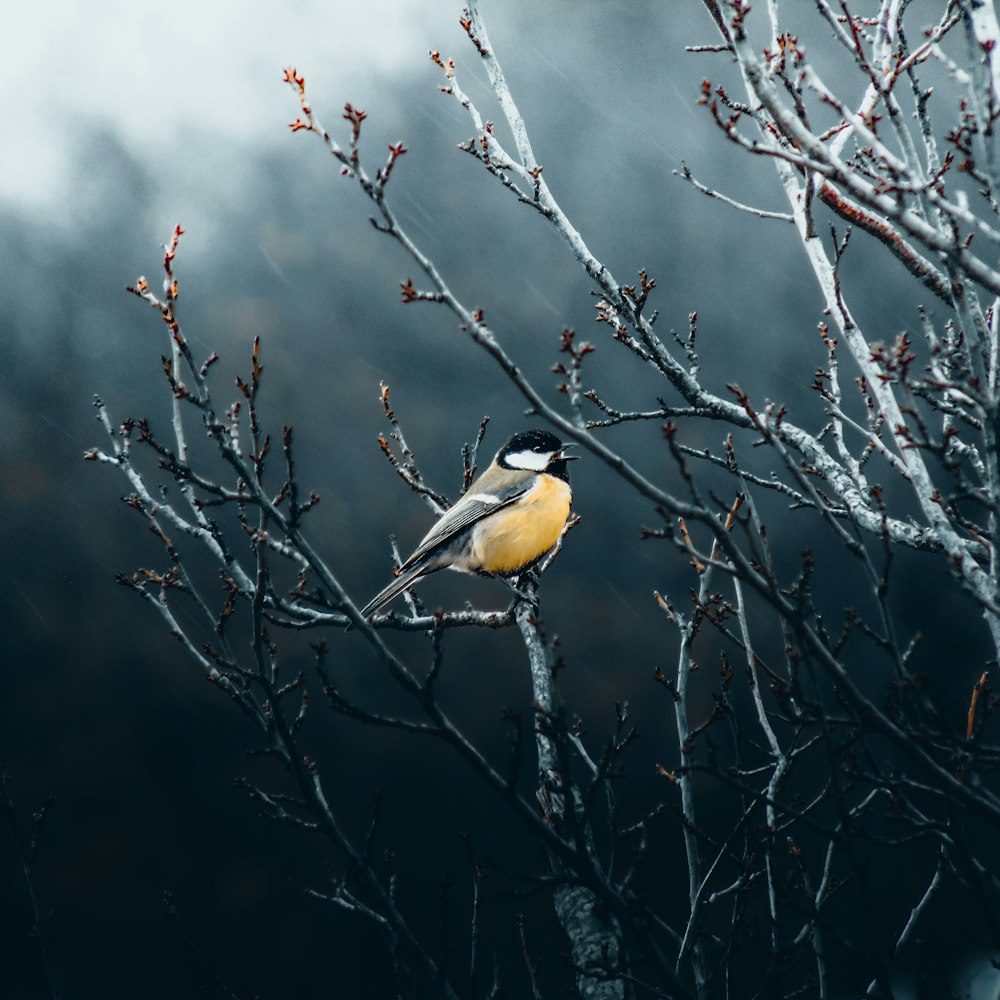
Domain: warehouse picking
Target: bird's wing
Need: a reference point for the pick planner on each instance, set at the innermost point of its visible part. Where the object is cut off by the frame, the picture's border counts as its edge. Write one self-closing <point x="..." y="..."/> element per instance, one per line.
<point x="404" y="581"/>
<point x="473" y="507"/>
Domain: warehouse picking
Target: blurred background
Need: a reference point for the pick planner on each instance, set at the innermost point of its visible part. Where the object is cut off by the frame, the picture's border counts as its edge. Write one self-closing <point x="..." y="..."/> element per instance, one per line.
<point x="121" y="122"/>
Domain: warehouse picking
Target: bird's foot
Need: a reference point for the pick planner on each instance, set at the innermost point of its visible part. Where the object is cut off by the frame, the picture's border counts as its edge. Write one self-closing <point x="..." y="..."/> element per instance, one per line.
<point x="525" y="589"/>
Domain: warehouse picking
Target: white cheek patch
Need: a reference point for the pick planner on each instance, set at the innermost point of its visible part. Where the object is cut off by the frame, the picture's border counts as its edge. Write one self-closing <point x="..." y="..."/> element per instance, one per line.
<point x="529" y="460"/>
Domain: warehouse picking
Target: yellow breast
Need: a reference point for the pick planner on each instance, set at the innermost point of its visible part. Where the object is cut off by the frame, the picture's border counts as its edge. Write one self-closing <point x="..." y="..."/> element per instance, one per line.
<point x="514" y="538"/>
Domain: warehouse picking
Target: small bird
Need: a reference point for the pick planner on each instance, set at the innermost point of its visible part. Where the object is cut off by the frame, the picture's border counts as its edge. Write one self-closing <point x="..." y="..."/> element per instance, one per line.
<point x="510" y="517"/>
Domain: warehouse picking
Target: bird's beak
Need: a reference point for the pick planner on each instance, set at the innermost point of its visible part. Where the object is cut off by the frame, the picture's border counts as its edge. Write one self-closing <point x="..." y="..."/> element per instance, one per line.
<point x="561" y="456"/>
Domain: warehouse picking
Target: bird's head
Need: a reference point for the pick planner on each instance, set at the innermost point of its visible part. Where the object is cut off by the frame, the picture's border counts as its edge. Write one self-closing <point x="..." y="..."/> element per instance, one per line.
<point x="535" y="451"/>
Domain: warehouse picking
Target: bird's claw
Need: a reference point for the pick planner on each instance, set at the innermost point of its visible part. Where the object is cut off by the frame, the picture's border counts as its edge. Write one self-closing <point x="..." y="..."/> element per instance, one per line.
<point x="525" y="588"/>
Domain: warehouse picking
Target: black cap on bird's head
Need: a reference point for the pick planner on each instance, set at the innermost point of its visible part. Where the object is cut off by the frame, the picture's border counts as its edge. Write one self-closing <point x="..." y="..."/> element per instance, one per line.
<point x="535" y="451"/>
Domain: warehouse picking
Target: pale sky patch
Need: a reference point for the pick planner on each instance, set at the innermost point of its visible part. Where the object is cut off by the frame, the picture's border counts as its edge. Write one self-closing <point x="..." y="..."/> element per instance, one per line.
<point x="152" y="73"/>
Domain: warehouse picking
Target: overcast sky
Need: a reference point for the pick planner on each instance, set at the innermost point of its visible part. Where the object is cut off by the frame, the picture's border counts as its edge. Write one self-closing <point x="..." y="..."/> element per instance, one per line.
<point x="152" y="72"/>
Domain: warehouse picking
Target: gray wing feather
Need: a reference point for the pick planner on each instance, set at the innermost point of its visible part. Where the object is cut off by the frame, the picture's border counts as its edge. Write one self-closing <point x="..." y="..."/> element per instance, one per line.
<point x="402" y="582"/>
<point x="469" y="510"/>
<point x="464" y="515"/>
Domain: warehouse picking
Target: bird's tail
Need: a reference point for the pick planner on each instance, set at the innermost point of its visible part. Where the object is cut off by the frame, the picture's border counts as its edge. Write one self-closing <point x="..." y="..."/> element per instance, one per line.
<point x="402" y="582"/>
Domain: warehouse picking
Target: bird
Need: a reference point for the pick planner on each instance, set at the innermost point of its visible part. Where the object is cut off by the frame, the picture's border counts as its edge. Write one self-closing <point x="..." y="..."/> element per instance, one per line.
<point x="505" y="522"/>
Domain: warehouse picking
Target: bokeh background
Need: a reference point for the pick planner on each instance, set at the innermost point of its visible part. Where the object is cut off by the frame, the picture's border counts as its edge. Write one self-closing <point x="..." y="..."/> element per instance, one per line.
<point x="120" y="122"/>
